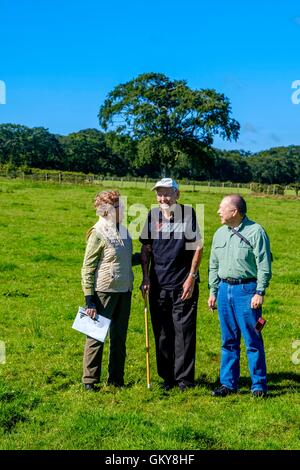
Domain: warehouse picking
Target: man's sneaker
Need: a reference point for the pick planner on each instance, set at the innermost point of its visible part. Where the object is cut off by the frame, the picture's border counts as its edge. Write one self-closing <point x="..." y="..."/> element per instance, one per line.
<point x="259" y="393"/>
<point x="222" y="391"/>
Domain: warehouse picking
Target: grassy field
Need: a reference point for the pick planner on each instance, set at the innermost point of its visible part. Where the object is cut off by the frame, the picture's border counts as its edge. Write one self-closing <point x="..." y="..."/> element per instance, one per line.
<point x="42" y="404"/>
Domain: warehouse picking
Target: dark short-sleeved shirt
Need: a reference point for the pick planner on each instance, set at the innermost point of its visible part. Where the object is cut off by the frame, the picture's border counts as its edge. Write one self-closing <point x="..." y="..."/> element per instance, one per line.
<point x="173" y="242"/>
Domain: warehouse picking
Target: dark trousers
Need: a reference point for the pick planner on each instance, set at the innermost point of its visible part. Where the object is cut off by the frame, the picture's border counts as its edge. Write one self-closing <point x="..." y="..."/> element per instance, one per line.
<point x="174" y="327"/>
<point x="115" y="306"/>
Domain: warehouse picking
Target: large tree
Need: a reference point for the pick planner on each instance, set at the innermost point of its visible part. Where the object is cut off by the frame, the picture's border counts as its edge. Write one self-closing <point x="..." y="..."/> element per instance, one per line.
<point x="167" y="118"/>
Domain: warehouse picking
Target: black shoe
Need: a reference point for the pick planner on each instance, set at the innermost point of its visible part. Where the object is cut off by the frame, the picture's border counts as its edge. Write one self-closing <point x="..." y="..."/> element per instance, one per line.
<point x="115" y="384"/>
<point x="259" y="393"/>
<point x="222" y="391"/>
<point x="184" y="386"/>
<point x="168" y="385"/>
<point x="89" y="387"/>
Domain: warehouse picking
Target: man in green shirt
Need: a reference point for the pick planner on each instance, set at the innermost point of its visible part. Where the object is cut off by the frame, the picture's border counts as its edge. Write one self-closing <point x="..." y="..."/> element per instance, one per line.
<point x="239" y="273"/>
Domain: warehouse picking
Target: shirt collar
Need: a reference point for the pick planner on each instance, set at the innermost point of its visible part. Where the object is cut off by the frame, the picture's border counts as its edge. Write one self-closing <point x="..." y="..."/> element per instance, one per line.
<point x="243" y="222"/>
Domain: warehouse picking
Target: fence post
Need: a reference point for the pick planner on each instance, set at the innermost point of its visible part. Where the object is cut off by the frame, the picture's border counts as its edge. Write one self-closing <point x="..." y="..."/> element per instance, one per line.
<point x="59" y="177"/>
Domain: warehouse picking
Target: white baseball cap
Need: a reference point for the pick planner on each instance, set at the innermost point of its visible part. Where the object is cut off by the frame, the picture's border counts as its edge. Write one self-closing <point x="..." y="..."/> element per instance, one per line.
<point x="166" y="183"/>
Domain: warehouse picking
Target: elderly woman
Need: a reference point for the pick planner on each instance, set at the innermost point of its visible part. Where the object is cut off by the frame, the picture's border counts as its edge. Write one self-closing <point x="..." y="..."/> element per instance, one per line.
<point x="107" y="281"/>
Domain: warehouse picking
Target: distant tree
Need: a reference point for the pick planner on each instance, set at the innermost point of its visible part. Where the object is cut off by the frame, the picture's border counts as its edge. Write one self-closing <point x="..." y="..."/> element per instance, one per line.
<point x="46" y="151"/>
<point x="13" y="141"/>
<point x="123" y="151"/>
<point x="270" y="170"/>
<point x="167" y="118"/>
<point x="231" y="166"/>
<point x="34" y="147"/>
<point x="86" y="151"/>
<point x="279" y="165"/>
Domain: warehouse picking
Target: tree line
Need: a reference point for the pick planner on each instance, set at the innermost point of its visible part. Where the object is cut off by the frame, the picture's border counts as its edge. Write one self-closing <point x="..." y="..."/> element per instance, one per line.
<point x="93" y="151"/>
<point x="152" y="126"/>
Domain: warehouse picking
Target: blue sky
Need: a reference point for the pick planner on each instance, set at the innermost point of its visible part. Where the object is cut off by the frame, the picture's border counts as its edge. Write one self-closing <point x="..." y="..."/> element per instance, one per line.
<point x="59" y="59"/>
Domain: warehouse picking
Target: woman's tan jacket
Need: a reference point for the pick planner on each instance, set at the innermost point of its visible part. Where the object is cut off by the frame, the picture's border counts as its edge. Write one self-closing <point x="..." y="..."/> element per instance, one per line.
<point x="107" y="264"/>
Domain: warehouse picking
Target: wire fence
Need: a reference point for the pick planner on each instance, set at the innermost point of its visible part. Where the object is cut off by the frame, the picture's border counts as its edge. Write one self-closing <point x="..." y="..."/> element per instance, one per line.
<point x="59" y="177"/>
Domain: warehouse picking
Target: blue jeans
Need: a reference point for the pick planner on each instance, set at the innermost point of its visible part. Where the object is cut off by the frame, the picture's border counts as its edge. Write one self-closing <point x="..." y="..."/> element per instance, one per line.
<point x="238" y="318"/>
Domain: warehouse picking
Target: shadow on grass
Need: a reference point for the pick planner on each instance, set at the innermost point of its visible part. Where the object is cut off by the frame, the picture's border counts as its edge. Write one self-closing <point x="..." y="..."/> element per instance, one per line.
<point x="15" y="406"/>
<point x="279" y="383"/>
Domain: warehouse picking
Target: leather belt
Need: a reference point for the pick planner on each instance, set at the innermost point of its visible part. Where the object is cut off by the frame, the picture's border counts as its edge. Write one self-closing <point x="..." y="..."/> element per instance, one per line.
<point x="231" y="280"/>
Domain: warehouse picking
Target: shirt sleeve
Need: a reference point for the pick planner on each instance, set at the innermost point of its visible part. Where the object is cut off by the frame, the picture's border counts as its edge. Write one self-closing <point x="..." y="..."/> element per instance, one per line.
<point x="262" y="254"/>
<point x="93" y="251"/>
<point x="145" y="237"/>
<point x="213" y="278"/>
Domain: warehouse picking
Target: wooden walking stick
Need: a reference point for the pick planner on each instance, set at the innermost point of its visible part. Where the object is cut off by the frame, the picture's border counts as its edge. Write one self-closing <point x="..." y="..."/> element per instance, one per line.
<point x="147" y="340"/>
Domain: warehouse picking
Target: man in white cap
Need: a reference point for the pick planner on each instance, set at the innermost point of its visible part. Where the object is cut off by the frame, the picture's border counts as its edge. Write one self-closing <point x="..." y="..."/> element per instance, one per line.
<point x="171" y="255"/>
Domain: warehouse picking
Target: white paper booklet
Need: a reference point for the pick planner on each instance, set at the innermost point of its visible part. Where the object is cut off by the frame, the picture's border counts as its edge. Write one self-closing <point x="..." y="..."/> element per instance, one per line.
<point x="95" y="328"/>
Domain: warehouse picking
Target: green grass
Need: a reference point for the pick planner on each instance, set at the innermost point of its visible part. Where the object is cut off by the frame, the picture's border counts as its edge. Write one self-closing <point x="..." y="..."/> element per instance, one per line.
<point x="42" y="404"/>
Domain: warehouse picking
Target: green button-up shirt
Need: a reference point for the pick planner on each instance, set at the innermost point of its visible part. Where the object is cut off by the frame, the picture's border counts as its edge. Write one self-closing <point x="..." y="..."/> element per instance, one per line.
<point x="231" y="257"/>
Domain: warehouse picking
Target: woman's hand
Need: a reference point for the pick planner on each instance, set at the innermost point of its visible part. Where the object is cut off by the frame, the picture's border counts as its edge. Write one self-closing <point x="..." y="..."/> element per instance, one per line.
<point x="90" y="309"/>
<point x="91" y="312"/>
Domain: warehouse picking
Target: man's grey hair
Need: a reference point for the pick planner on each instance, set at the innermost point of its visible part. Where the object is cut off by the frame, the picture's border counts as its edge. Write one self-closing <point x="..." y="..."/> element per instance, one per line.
<point x="238" y="202"/>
